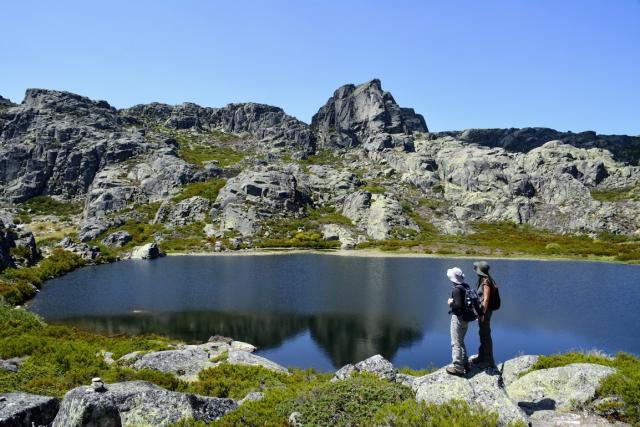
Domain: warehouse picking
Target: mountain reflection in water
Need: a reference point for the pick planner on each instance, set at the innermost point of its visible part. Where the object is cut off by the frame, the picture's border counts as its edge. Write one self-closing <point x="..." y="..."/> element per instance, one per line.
<point x="342" y="338"/>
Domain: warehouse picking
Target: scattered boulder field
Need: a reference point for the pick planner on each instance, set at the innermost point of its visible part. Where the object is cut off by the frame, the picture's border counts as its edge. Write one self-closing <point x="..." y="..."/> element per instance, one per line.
<point x="554" y="396"/>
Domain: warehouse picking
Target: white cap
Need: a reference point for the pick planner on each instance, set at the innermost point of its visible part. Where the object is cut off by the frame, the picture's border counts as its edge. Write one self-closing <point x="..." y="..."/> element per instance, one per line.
<point x="455" y="275"/>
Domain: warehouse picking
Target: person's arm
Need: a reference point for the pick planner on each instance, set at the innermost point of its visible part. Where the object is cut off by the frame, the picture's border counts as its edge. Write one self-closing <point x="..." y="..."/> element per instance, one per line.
<point x="458" y="300"/>
<point x="486" y="294"/>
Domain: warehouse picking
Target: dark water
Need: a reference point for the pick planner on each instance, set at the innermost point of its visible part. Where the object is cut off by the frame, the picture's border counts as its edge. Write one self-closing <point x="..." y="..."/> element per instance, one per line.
<point x="324" y="311"/>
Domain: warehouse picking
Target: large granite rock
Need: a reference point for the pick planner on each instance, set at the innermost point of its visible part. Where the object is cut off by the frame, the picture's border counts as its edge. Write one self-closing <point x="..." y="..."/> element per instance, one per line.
<point x="558" y="388"/>
<point x="17" y="246"/>
<point x="24" y="409"/>
<point x="376" y="214"/>
<point x="148" y="251"/>
<point x="187" y="361"/>
<point x="367" y="115"/>
<point x="513" y="368"/>
<point x="376" y="364"/>
<point x="258" y="194"/>
<point x="136" y="403"/>
<point x="481" y="388"/>
<point x="186" y="211"/>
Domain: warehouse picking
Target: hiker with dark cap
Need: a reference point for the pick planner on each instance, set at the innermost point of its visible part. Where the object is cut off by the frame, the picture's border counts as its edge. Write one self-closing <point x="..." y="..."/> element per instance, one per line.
<point x="489" y="297"/>
<point x="460" y="302"/>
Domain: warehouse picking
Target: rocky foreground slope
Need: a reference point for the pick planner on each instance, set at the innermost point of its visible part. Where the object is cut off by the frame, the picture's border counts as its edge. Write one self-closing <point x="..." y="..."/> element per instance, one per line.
<point x="248" y="174"/>
<point x="555" y="396"/>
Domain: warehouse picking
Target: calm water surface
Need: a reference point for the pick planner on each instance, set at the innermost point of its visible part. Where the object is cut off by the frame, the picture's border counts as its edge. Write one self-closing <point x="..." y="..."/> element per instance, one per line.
<point x="323" y="311"/>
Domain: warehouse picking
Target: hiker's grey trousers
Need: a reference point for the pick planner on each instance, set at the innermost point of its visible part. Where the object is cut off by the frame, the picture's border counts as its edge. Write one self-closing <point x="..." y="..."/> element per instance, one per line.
<point x="458" y="350"/>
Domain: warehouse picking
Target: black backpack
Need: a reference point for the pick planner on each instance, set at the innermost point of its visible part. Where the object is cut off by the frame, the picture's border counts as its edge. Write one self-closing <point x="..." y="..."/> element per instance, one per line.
<point x="494" y="299"/>
<point x="472" y="307"/>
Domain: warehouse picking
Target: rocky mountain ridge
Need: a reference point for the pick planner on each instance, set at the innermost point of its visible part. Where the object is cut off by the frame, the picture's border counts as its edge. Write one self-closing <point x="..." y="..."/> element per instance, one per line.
<point x="364" y="170"/>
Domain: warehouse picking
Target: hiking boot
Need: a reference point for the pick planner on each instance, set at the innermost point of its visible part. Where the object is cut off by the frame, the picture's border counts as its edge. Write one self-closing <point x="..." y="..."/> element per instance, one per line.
<point x="467" y="368"/>
<point x="475" y="360"/>
<point x="452" y="370"/>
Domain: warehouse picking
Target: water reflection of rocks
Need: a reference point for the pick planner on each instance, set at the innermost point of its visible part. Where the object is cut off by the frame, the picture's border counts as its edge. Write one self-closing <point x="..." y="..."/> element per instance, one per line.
<point x="345" y="339"/>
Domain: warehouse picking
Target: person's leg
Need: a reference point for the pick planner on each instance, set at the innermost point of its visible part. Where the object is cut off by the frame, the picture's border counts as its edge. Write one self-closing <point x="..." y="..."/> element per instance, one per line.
<point x="458" y="351"/>
<point x="486" y="343"/>
<point x="464" y="326"/>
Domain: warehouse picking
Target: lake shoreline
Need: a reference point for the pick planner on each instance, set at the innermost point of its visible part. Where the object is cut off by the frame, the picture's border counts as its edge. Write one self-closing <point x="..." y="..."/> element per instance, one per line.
<point x="369" y="253"/>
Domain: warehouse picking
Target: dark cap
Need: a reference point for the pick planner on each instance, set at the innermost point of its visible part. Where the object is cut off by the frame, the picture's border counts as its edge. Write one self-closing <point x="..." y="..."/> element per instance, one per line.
<point x="482" y="268"/>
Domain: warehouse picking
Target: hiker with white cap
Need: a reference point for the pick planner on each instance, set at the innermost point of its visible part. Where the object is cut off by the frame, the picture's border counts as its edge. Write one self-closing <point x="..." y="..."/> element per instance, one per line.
<point x="463" y="306"/>
<point x="490" y="296"/>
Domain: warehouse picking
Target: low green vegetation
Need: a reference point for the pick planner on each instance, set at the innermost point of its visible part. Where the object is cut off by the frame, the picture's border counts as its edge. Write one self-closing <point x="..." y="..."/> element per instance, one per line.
<point x="141" y="233"/>
<point x="375" y="189"/>
<point x="506" y="239"/>
<point x="324" y="158"/>
<point x="186" y="238"/>
<point x="19" y="284"/>
<point x="200" y="153"/>
<point x="295" y="233"/>
<point x="619" y="194"/>
<point x="327" y="215"/>
<point x="45" y="205"/>
<point x="206" y="189"/>
<point x="410" y="413"/>
<point x="206" y="147"/>
<point x="61" y="358"/>
<point x="623" y="384"/>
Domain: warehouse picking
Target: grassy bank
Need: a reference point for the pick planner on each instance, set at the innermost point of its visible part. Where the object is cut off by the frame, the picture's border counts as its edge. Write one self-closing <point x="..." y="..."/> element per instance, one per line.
<point x="18" y="285"/>
<point x="505" y="239"/>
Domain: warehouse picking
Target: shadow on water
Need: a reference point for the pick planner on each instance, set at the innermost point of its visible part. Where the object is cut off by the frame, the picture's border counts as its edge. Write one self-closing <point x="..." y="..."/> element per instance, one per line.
<point x="342" y="338"/>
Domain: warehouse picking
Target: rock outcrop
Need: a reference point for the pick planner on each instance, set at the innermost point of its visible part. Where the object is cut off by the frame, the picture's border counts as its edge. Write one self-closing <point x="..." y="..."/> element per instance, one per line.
<point x="136" y="403"/>
<point x="366" y="115"/>
<point x="17" y="246"/>
<point x="623" y="147"/>
<point x="256" y="195"/>
<point x="187" y="361"/>
<point x="25" y="409"/>
<point x="558" y="388"/>
<point x="148" y="251"/>
<point x="481" y="388"/>
<point x="376" y="364"/>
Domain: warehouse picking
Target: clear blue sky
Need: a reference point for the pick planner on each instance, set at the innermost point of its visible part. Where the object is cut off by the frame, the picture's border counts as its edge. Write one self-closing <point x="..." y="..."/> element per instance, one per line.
<point x="566" y="64"/>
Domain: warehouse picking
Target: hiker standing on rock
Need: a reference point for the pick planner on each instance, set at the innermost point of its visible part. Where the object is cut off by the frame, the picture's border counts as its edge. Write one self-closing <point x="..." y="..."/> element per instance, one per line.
<point x="461" y="296"/>
<point x="490" y="301"/>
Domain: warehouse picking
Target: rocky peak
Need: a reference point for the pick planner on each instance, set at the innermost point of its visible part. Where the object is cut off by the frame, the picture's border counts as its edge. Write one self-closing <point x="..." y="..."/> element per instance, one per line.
<point x="4" y="102"/>
<point x="365" y="114"/>
<point x="61" y="101"/>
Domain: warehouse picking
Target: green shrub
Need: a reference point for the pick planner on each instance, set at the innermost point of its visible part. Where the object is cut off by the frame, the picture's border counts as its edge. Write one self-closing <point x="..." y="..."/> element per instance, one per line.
<point x="19" y="284"/>
<point x="350" y="402"/>
<point x="200" y="153"/>
<point x="410" y="413"/>
<point x="45" y="205"/>
<point x="235" y="381"/>
<point x="206" y="189"/>
<point x="375" y="189"/>
<point x="61" y="358"/>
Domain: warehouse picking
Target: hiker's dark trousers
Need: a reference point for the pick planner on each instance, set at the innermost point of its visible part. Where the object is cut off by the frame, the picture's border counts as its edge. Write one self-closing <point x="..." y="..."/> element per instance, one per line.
<point x="485" y="353"/>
